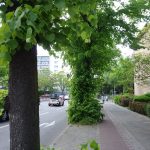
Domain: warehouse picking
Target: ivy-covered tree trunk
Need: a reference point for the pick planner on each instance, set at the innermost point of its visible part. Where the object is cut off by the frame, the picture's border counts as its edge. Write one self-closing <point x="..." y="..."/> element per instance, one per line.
<point x="84" y="108"/>
<point x="24" y="104"/>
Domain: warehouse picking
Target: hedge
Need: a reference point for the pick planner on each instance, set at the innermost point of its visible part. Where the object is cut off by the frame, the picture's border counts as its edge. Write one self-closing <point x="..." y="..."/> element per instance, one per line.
<point x="142" y="98"/>
<point x="138" y="107"/>
<point x="123" y="99"/>
<point x="148" y="110"/>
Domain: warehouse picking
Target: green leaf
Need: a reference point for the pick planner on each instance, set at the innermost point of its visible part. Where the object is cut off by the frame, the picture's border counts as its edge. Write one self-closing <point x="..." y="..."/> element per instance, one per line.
<point x="50" y="37"/>
<point x="94" y="145"/>
<point x="85" y="36"/>
<point x="32" y="16"/>
<point x="12" y="44"/>
<point x="9" y="15"/>
<point x="60" y="4"/>
<point x="4" y="55"/>
<point x="29" y="35"/>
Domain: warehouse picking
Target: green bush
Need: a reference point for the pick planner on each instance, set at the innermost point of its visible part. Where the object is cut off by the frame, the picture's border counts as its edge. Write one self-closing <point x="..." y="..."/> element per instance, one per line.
<point x="147" y="94"/>
<point x="85" y="113"/>
<point x="123" y="99"/>
<point x="148" y="110"/>
<point x="142" y="98"/>
<point x="3" y="94"/>
<point x="117" y="99"/>
<point x="138" y="107"/>
<point x="93" y="145"/>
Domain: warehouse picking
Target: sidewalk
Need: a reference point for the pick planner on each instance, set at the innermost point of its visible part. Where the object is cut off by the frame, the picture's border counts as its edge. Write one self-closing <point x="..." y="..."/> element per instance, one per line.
<point x="121" y="129"/>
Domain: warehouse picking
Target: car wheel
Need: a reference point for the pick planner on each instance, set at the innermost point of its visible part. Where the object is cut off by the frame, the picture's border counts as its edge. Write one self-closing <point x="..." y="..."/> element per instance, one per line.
<point x="62" y="104"/>
<point x="49" y="104"/>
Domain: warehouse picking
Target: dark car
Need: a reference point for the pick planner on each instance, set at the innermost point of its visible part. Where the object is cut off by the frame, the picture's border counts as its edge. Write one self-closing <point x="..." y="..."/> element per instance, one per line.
<point x="5" y="113"/>
<point x="56" y="99"/>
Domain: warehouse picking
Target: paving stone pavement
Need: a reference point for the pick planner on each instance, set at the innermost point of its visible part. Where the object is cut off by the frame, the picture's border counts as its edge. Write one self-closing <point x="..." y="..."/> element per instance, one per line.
<point x="74" y="136"/>
<point x="133" y="128"/>
<point x="121" y="129"/>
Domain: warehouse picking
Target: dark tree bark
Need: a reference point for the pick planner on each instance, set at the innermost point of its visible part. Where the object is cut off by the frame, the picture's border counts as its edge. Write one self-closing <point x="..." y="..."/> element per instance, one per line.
<point x="24" y="104"/>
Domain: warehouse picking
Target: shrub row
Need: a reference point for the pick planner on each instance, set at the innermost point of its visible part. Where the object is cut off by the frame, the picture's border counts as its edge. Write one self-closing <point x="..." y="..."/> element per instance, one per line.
<point x="138" y="107"/>
<point x="123" y="99"/>
<point x="140" y="104"/>
<point x="148" y="110"/>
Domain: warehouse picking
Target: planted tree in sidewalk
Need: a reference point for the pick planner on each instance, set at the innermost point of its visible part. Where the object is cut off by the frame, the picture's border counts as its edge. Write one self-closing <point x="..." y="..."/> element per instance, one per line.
<point x="24" y="24"/>
<point x="100" y="27"/>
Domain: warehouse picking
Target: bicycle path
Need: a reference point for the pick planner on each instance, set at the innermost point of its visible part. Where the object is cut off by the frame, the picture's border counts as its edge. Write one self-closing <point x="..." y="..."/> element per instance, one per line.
<point x="123" y="129"/>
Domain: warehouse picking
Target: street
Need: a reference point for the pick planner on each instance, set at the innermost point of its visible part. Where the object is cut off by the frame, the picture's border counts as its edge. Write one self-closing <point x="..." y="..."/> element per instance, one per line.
<point x="53" y="120"/>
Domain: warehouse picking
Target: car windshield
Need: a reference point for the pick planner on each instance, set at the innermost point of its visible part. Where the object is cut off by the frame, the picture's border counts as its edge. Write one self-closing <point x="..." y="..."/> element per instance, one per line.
<point x="54" y="96"/>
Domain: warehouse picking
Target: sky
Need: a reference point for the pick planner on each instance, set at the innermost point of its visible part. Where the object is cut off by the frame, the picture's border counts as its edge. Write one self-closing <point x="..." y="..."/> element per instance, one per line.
<point x="125" y="51"/>
<point x="41" y="51"/>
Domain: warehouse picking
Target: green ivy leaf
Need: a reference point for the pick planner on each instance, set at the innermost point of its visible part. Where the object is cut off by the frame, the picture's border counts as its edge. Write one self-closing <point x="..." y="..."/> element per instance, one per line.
<point x="60" y="4"/>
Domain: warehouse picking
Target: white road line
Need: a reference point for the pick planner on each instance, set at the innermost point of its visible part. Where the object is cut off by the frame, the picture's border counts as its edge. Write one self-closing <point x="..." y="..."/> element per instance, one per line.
<point x="4" y="126"/>
<point x="50" y="124"/>
<point x="43" y="113"/>
<point x="43" y="124"/>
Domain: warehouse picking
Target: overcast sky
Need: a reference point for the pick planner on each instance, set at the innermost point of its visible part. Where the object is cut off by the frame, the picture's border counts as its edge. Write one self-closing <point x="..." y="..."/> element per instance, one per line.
<point x="126" y="51"/>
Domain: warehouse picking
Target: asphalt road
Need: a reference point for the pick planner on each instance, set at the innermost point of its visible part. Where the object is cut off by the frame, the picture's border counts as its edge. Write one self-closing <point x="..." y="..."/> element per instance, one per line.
<point x="53" y="120"/>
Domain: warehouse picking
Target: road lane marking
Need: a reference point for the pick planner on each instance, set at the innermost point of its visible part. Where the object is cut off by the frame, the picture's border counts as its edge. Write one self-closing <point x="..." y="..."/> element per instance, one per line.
<point x="43" y="124"/>
<point x="43" y="113"/>
<point x="50" y="124"/>
<point x="4" y="126"/>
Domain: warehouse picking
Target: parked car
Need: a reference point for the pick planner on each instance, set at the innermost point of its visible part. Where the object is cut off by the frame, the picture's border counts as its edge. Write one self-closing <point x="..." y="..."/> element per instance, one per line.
<point x="66" y="97"/>
<point x="4" y="115"/>
<point x="56" y="99"/>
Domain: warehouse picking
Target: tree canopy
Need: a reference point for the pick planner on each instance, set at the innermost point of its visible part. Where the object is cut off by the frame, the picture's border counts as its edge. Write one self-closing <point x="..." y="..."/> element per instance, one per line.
<point x="120" y="78"/>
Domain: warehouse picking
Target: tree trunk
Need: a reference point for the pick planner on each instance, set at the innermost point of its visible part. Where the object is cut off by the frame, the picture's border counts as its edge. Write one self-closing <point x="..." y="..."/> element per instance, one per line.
<point x="24" y="104"/>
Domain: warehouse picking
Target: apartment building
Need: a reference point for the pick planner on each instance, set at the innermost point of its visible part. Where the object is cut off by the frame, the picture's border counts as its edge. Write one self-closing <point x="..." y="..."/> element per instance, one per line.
<point x="53" y="63"/>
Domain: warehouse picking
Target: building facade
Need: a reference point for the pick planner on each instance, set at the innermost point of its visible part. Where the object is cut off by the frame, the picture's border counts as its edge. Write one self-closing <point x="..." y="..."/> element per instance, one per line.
<point x="142" y="66"/>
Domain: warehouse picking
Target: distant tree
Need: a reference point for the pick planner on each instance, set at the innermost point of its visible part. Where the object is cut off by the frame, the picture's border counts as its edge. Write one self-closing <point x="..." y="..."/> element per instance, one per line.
<point x="121" y="76"/>
<point x="61" y="81"/>
<point x="46" y="82"/>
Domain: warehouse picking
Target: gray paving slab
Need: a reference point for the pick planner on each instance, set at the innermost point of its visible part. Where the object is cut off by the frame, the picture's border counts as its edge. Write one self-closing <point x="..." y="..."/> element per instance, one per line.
<point x="74" y="136"/>
<point x="121" y="129"/>
<point x="132" y="127"/>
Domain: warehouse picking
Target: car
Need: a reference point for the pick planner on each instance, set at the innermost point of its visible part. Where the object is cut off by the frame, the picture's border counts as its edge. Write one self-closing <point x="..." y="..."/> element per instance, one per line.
<point x="4" y="116"/>
<point x="56" y="100"/>
<point x="66" y="97"/>
<point x="4" y="111"/>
